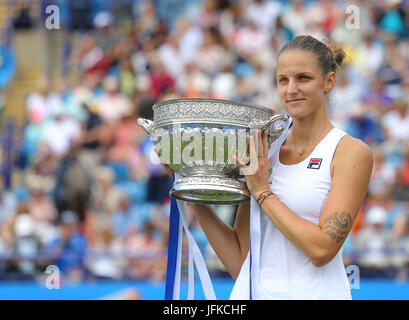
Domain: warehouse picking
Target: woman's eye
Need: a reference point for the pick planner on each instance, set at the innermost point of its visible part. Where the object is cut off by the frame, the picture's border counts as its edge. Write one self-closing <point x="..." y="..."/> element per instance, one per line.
<point x="303" y="78"/>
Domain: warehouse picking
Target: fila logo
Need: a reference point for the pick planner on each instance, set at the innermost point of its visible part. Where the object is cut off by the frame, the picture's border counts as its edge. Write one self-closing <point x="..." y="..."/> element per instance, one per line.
<point x="315" y="163"/>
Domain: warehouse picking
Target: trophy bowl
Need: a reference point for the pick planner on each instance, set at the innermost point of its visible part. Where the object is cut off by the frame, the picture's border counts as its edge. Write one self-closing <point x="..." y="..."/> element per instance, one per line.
<point x="196" y="137"/>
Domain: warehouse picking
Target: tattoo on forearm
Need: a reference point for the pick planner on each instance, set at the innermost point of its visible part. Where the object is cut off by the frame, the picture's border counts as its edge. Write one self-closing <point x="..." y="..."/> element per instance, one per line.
<point x="337" y="225"/>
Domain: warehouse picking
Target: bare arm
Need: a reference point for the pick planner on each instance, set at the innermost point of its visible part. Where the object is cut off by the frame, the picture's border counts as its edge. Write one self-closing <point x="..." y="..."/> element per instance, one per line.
<point x="230" y="244"/>
<point x="352" y="167"/>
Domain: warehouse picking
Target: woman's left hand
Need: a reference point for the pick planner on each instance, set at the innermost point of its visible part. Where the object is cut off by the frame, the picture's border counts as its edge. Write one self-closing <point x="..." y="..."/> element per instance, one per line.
<point x="256" y="172"/>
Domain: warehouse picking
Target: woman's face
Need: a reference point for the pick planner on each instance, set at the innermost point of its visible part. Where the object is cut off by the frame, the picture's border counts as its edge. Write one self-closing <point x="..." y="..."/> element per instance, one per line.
<point x="301" y="84"/>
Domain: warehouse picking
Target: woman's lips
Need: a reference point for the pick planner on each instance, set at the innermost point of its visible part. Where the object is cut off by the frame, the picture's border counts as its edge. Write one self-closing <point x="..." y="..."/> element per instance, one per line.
<point x="295" y="100"/>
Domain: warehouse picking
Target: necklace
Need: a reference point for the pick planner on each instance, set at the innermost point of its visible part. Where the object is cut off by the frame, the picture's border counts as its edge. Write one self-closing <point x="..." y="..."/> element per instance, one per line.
<point x="301" y="153"/>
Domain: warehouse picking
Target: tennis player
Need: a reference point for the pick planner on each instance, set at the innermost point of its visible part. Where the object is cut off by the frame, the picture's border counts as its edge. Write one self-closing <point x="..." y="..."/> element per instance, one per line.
<point x="309" y="201"/>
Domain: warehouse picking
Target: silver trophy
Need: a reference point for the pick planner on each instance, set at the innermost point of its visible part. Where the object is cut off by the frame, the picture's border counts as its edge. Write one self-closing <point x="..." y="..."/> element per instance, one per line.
<point x="196" y="138"/>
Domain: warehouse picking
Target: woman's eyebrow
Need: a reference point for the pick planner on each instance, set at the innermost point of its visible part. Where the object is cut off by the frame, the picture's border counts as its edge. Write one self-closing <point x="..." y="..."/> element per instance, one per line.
<point x="301" y="73"/>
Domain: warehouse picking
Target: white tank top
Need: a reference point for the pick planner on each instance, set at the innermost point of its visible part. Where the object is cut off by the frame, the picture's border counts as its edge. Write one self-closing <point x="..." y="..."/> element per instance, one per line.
<point x="285" y="272"/>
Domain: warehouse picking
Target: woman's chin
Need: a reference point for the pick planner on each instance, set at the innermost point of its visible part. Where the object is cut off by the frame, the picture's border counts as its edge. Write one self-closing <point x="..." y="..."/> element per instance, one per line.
<point x="296" y="113"/>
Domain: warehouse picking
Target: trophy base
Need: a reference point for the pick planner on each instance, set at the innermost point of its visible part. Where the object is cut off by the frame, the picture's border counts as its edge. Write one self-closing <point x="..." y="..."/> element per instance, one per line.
<point x="210" y="190"/>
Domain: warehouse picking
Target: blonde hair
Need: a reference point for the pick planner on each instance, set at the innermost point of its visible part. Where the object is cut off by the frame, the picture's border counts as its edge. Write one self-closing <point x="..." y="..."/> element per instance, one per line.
<point x="338" y="54"/>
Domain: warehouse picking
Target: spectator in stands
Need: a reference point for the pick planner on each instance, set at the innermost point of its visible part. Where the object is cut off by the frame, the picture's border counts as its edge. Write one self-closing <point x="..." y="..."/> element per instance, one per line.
<point x="88" y="58"/>
<point x="393" y="69"/>
<point x="392" y="20"/>
<point x="383" y="175"/>
<point x="126" y="139"/>
<point x="213" y="57"/>
<point x="127" y="77"/>
<point x="372" y="240"/>
<point x="147" y="22"/>
<point x="257" y="83"/>
<point x="25" y="245"/>
<point x="8" y="205"/>
<point x="363" y="126"/>
<point x="190" y="37"/>
<point x="172" y="57"/>
<point x="72" y="186"/>
<point x="404" y="33"/>
<point x="369" y="56"/>
<point x="295" y="17"/>
<point x="377" y="95"/>
<point x="342" y="106"/>
<point x="105" y="37"/>
<point x="7" y="227"/>
<point x="69" y="249"/>
<point x="60" y="134"/>
<point x="42" y="104"/>
<point x="282" y="33"/>
<point x="105" y="198"/>
<point x="31" y="137"/>
<point x="209" y="15"/>
<point x="112" y="105"/>
<point x="161" y="81"/>
<point x="125" y="217"/>
<point x="194" y="83"/>
<point x="250" y="38"/>
<point x="74" y="99"/>
<point x="395" y="122"/>
<point x="91" y="138"/>
<point x="146" y="253"/>
<point x="40" y="204"/>
<point x="108" y="259"/>
<point x="399" y="243"/>
<point x="264" y="14"/>
<point x="401" y="188"/>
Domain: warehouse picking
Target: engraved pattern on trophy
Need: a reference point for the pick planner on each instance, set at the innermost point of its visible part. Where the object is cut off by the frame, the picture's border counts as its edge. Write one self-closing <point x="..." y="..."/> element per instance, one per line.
<point x="196" y="138"/>
<point x="218" y="110"/>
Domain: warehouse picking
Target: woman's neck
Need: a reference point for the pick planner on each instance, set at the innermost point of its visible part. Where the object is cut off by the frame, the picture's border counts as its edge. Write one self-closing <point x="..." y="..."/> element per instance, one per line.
<point x="307" y="132"/>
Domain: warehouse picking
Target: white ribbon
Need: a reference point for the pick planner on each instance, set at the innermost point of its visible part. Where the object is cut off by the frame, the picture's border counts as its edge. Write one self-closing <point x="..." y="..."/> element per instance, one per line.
<point x="249" y="277"/>
<point x="255" y="218"/>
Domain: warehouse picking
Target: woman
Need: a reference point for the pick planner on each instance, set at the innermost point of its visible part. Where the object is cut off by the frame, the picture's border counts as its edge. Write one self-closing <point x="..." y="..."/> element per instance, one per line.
<point x="319" y="179"/>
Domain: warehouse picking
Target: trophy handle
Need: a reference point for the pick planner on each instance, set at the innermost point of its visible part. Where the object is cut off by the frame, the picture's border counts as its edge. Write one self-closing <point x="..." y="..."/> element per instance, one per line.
<point x="275" y="126"/>
<point x="146" y="124"/>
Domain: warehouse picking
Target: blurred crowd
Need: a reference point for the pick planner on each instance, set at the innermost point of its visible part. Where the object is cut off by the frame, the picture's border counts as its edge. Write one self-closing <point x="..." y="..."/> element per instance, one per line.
<point x="92" y="197"/>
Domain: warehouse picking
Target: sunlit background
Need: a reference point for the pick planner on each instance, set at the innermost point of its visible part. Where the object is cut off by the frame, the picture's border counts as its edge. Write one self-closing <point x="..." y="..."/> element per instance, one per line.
<point x="80" y="185"/>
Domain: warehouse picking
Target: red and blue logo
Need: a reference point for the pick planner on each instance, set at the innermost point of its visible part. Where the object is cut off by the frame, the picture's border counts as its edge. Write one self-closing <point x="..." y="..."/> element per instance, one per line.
<point x="315" y="163"/>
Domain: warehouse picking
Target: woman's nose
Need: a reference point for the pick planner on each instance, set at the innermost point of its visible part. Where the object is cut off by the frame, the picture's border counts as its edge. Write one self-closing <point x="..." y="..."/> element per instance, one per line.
<point x="292" y="87"/>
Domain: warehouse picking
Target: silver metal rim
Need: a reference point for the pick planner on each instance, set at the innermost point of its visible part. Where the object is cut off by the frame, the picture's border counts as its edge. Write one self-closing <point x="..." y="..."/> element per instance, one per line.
<point x="171" y="101"/>
<point x="192" y="193"/>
